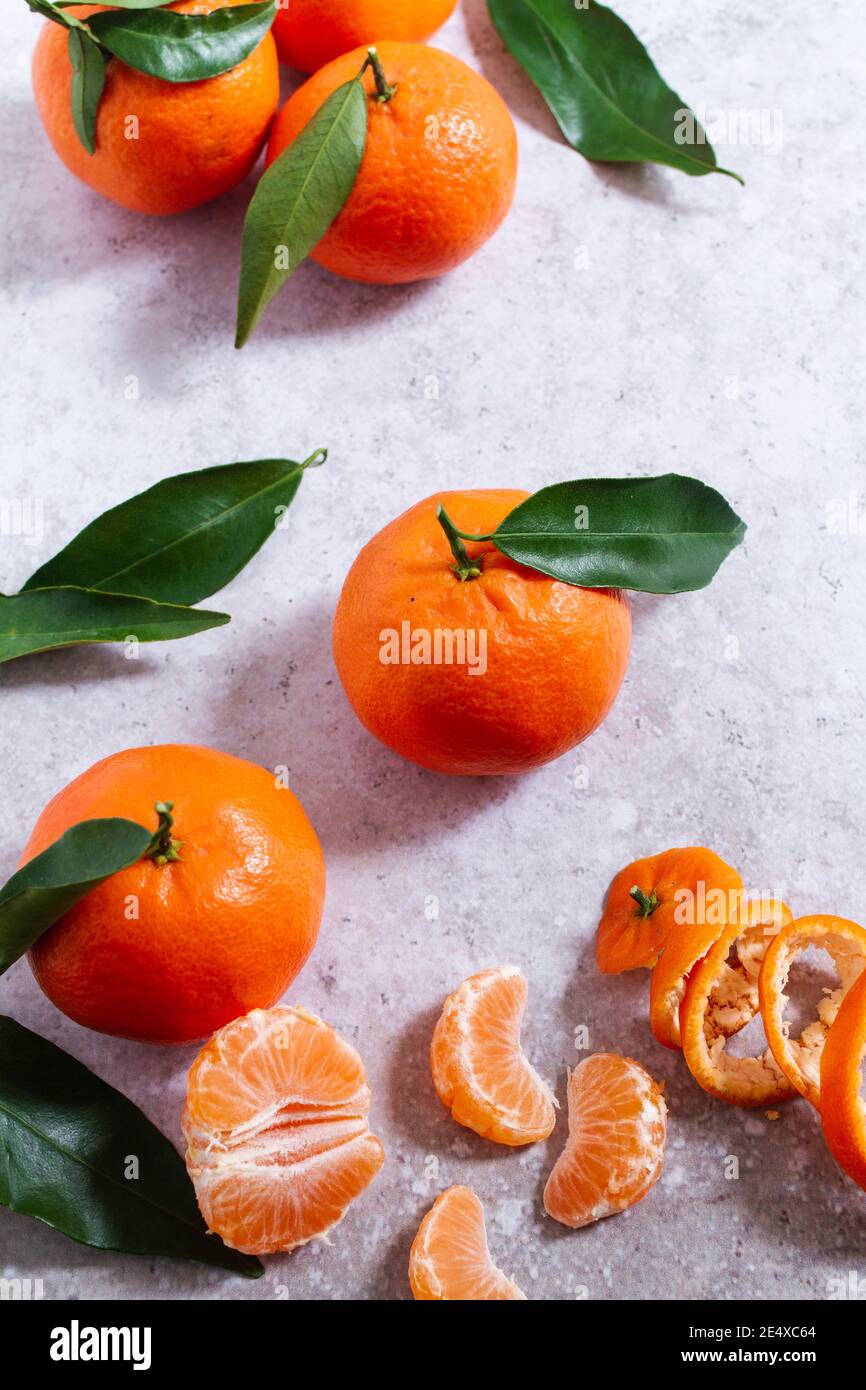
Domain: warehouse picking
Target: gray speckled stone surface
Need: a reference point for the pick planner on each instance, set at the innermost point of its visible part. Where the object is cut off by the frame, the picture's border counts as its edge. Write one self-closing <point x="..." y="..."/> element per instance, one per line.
<point x="622" y="320"/>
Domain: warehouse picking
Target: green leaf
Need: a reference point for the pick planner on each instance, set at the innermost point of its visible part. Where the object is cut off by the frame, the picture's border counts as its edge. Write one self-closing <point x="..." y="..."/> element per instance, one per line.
<point x="41" y="619"/>
<point x="182" y="539"/>
<point x="46" y="887"/>
<point x="297" y="199"/>
<point x="78" y="1155"/>
<point x="660" y="535"/>
<point x="56" y="13"/>
<point x="601" y="85"/>
<point x="183" y="47"/>
<point x="88" y="80"/>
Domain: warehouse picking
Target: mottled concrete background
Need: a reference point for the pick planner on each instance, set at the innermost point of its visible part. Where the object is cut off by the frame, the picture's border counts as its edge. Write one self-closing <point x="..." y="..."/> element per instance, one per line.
<point x="622" y="321"/>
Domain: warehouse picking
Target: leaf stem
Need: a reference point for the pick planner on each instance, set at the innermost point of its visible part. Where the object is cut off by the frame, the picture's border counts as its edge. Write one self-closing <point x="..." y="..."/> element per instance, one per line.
<point x="316" y="459"/>
<point x="384" y="89"/>
<point x="647" y="903"/>
<point x="163" y="848"/>
<point x="465" y="568"/>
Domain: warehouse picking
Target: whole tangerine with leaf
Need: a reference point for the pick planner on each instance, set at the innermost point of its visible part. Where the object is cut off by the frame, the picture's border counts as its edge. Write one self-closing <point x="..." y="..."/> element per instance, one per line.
<point x="310" y="33"/>
<point x="158" y="109"/>
<point x="484" y="632"/>
<point x="216" y="918"/>
<point x="391" y="164"/>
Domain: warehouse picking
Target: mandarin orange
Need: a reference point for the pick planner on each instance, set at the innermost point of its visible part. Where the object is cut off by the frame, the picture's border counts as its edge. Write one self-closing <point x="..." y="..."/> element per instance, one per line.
<point x="310" y="33"/>
<point x="168" y="952"/>
<point x="161" y="147"/>
<point x="438" y="172"/>
<point x="527" y="666"/>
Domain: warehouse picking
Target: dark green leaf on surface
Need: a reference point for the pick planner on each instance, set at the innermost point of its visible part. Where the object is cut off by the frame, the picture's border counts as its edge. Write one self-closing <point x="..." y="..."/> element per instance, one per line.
<point x="661" y="535"/>
<point x="66" y="1141"/>
<point x="298" y="198"/>
<point x="183" y="538"/>
<point x="183" y="47"/>
<point x="88" y="80"/>
<point x="46" y="887"/>
<point x="41" y="619"/>
<point x="601" y="85"/>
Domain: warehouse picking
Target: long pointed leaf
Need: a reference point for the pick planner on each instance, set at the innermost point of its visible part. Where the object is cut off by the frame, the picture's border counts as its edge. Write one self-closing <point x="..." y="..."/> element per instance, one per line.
<point x="39" y="893"/>
<point x="78" y="1155"/>
<point x="41" y="619"/>
<point x="608" y="97"/>
<point x="182" y="539"/>
<point x="88" y="80"/>
<point x="660" y="535"/>
<point x="183" y="47"/>
<point x="298" y="198"/>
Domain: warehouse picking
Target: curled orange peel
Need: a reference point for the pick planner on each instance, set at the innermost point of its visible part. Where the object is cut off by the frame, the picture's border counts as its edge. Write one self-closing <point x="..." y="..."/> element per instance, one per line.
<point x="721" y="998"/>
<point x="845" y="942"/>
<point x="843" y="1115"/>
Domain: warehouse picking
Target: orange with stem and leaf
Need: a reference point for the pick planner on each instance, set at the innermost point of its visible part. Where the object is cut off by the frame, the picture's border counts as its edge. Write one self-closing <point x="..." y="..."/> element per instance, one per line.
<point x="438" y="169"/>
<point x="216" y="918"/>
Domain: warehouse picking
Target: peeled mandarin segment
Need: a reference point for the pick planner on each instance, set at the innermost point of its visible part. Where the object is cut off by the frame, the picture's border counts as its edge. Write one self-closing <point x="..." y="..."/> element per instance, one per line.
<point x="845" y="942"/>
<point x="479" y="1070"/>
<point x="275" y="1123"/>
<point x="616" y="1141"/>
<point x="721" y="998"/>
<point x="645" y="899"/>
<point x="450" y="1259"/>
<point x="843" y="1116"/>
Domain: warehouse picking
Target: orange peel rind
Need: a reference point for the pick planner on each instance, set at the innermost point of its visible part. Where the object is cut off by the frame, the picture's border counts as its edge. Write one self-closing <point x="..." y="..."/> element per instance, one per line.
<point x="721" y="998"/>
<point x="845" y="942"/>
<point x="843" y="1115"/>
<point x="644" y="900"/>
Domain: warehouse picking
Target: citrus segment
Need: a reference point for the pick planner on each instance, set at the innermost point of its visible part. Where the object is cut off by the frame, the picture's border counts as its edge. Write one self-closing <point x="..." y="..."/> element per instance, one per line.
<point x="450" y="1259"/>
<point x="275" y="1124"/>
<point x="843" y="1116"/>
<point x="721" y="998"/>
<point x="646" y="898"/>
<point x="479" y="1070"/>
<point x="616" y="1141"/>
<point x="845" y="943"/>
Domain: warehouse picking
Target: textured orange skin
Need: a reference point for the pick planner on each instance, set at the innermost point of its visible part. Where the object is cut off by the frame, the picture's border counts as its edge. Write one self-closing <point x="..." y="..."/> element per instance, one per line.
<point x="818" y="930"/>
<point x="420" y="205"/>
<point x="626" y="939"/>
<point x="196" y="139"/>
<point x="222" y="931"/>
<point x="843" y="1116"/>
<point x="556" y="654"/>
<point x="310" y="33"/>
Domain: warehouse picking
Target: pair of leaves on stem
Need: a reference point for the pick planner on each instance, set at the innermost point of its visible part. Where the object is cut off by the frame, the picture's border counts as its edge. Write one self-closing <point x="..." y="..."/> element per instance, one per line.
<point x="136" y="569"/>
<point x="162" y="43"/>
